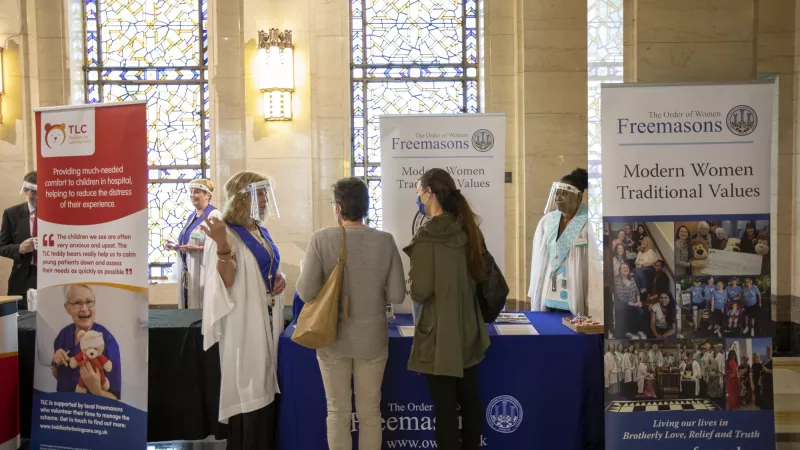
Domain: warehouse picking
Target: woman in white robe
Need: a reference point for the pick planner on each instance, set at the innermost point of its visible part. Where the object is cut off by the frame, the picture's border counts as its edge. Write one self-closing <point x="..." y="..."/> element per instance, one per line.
<point x="560" y="258"/>
<point x="620" y="356"/>
<point x="656" y="357"/>
<point x="611" y="371"/>
<point x="641" y="374"/>
<point x="189" y="267"/>
<point x="244" y="313"/>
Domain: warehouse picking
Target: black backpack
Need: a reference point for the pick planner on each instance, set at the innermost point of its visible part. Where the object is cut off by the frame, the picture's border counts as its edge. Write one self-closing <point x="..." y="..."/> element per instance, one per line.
<point x="493" y="290"/>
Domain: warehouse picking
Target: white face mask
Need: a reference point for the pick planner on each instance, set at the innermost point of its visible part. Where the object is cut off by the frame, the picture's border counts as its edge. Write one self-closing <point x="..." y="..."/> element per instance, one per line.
<point x="335" y="213"/>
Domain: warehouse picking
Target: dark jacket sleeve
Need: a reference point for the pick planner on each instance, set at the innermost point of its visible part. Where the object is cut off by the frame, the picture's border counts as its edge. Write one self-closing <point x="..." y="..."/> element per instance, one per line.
<point x="8" y="248"/>
<point x="421" y="273"/>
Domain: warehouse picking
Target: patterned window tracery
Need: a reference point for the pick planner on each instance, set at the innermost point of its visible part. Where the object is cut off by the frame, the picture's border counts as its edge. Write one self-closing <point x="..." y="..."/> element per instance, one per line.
<point x="156" y="51"/>
<point x="408" y="57"/>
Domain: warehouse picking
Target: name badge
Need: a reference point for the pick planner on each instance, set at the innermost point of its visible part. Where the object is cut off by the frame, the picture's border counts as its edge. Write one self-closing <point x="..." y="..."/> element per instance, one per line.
<point x="581" y="242"/>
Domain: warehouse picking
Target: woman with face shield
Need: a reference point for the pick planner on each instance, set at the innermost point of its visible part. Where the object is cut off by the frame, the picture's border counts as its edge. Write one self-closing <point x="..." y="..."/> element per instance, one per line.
<point x="559" y="266"/>
<point x="243" y="310"/>
<point x="191" y="242"/>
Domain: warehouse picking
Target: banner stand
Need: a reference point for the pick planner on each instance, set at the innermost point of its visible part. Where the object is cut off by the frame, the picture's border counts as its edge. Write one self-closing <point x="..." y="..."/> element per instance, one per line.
<point x="90" y="374"/>
<point x="686" y="257"/>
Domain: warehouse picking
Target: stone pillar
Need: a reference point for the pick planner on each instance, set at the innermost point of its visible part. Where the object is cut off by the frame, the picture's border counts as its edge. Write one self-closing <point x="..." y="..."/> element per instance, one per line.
<point x="553" y="73"/>
<point x="226" y="66"/>
<point x="687" y="40"/>
<point x="775" y="51"/>
<point x="503" y="91"/>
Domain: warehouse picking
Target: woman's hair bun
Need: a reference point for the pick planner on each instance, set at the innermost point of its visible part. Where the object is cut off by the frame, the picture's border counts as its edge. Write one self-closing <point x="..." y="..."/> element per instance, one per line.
<point x="578" y="178"/>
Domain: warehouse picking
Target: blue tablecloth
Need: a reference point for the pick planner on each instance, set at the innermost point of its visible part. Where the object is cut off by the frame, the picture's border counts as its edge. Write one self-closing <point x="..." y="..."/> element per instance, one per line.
<point x="555" y="378"/>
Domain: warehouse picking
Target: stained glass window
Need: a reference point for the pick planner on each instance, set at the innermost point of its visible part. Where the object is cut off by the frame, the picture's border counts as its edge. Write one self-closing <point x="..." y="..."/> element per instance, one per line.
<point x="156" y="51"/>
<point x="605" y="48"/>
<point x="408" y="57"/>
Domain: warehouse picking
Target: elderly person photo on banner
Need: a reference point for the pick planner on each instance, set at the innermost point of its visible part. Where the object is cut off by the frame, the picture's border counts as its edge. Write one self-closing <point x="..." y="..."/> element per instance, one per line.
<point x="86" y="355"/>
<point x="724" y="247"/>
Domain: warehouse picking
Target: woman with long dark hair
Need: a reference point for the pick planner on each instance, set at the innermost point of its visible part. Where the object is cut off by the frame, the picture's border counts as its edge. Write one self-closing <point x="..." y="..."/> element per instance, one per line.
<point x="682" y="264"/>
<point x="662" y="317"/>
<point x="757" y="371"/>
<point x="619" y="257"/>
<point x="767" y="399"/>
<point x="450" y="337"/>
<point x="732" y="381"/>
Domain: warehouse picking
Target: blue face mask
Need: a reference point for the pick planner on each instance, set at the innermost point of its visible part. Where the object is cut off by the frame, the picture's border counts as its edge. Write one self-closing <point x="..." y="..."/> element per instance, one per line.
<point x="420" y="206"/>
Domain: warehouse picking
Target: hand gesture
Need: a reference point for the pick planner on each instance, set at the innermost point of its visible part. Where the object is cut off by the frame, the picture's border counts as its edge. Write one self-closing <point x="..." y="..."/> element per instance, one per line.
<point x="91" y="378"/>
<point x="26" y="246"/>
<point x="189" y="248"/>
<point x="280" y="285"/>
<point x="169" y="245"/>
<point x="215" y="229"/>
<point x="60" y="358"/>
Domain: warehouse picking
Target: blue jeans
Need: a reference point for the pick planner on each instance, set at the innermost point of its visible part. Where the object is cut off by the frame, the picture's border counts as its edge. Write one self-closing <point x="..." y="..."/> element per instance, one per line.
<point x="643" y="277"/>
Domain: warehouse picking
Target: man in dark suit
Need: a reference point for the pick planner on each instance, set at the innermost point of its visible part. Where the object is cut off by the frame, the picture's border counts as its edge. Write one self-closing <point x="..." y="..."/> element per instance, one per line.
<point x="17" y="243"/>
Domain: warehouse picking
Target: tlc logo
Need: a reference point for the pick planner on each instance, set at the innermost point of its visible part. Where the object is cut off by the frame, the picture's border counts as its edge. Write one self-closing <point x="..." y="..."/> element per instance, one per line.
<point x="56" y="134"/>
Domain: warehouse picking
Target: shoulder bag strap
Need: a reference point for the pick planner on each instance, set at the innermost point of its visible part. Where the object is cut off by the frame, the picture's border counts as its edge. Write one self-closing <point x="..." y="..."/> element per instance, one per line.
<point x="345" y="278"/>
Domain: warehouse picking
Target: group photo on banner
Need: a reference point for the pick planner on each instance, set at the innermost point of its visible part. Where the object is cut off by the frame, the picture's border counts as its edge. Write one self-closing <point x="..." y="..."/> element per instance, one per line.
<point x="686" y="265"/>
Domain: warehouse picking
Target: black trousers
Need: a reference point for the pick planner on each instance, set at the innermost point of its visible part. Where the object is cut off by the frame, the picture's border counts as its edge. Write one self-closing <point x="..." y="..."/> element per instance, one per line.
<point x="448" y="394"/>
<point x="254" y="430"/>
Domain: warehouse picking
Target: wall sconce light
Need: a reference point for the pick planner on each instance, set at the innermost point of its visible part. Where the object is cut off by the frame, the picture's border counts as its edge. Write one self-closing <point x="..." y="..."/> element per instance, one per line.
<point x="276" y="73"/>
<point x="1" y="84"/>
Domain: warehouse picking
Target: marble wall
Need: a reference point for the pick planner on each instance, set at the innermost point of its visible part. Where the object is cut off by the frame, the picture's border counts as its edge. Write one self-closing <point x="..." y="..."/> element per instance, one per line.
<point x="730" y="40"/>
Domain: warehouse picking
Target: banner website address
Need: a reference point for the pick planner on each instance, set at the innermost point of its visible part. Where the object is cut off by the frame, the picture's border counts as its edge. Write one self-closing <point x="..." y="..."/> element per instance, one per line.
<point x="74" y="429"/>
<point x="411" y="443"/>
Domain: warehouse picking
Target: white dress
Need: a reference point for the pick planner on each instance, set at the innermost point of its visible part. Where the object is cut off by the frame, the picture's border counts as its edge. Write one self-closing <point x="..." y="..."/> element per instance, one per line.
<point x="238" y="319"/>
<point x="611" y="370"/>
<point x="620" y="366"/>
<point x="572" y="277"/>
<point x="628" y="366"/>
<point x="195" y="270"/>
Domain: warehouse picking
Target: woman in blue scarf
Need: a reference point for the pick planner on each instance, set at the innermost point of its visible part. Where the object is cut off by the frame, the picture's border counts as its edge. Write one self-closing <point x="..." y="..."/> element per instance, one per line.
<point x="189" y="269"/>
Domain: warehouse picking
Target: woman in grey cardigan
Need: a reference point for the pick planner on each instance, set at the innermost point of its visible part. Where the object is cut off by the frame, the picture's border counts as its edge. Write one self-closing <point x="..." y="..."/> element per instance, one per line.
<point x="373" y="277"/>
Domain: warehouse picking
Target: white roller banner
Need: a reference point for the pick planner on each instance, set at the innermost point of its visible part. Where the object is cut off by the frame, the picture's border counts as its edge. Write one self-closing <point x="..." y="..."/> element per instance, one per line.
<point x="469" y="147"/>
<point x="686" y="244"/>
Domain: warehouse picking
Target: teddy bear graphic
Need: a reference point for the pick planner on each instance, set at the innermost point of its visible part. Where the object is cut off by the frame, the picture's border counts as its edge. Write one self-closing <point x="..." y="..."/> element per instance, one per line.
<point x="733" y="245"/>
<point x="699" y="255"/>
<point x="92" y="346"/>
<point x="55" y="134"/>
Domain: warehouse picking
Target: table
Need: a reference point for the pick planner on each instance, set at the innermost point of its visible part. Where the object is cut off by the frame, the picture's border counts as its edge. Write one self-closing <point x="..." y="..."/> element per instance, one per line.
<point x="9" y="379"/>
<point x="555" y="378"/>
<point x="183" y="398"/>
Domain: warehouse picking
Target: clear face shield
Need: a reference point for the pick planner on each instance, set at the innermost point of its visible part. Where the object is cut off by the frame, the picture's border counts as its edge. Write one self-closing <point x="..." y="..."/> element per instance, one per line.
<point x="33" y="191"/>
<point x="262" y="200"/>
<point x="563" y="197"/>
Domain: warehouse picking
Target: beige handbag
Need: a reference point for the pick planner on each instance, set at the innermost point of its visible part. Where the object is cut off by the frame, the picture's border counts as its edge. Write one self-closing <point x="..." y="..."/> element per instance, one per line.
<point x="318" y="321"/>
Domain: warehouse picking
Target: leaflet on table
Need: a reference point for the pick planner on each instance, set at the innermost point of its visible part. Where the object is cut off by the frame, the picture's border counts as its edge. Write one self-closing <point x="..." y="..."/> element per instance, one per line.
<point x="90" y="376"/>
<point x="512" y="318"/>
<point x="686" y="242"/>
<point x="511" y="330"/>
